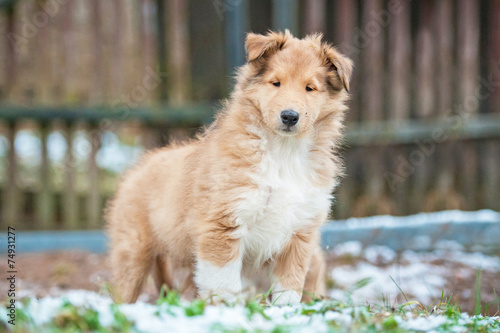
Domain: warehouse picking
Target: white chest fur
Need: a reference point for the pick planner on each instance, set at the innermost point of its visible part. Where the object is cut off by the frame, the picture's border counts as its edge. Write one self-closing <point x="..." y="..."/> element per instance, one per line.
<point x="284" y="202"/>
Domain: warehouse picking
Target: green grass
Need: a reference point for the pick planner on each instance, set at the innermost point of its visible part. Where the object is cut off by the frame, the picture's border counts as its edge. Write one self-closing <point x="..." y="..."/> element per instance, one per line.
<point x="328" y="315"/>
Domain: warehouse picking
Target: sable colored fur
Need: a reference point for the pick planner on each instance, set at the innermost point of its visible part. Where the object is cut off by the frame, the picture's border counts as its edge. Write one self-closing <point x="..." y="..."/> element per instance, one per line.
<point x="250" y="194"/>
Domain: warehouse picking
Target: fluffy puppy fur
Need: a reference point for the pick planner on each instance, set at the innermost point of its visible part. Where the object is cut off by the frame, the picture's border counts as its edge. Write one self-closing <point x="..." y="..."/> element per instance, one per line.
<point x="248" y="195"/>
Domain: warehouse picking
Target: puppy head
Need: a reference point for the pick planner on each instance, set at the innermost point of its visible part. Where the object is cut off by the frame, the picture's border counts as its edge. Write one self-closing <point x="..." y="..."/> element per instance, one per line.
<point x="294" y="83"/>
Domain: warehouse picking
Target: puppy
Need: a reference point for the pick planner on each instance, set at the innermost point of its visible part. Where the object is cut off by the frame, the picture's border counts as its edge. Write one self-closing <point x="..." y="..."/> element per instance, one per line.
<point x="248" y="195"/>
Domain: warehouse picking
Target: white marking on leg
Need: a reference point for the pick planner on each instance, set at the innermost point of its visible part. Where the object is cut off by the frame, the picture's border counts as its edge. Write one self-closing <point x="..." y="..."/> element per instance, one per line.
<point x="282" y="296"/>
<point x="224" y="282"/>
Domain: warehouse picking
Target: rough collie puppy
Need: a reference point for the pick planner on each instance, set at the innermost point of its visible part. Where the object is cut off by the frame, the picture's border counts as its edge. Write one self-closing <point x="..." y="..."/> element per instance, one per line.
<point x="249" y="194"/>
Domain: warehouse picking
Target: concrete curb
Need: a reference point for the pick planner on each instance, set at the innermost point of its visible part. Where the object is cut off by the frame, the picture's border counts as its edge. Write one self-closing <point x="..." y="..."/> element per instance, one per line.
<point x="475" y="231"/>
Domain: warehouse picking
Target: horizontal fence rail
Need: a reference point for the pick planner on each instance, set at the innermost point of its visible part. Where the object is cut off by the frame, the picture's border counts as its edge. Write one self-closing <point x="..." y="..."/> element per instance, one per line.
<point x="409" y="146"/>
<point x="173" y="116"/>
<point x="484" y="126"/>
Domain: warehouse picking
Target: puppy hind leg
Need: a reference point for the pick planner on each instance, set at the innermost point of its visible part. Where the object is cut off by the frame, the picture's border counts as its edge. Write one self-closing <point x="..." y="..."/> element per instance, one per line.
<point x="189" y="287"/>
<point x="162" y="273"/>
<point x="131" y="266"/>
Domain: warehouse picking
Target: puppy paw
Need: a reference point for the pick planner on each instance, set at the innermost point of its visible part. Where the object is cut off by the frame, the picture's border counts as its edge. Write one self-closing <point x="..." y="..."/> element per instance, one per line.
<point x="220" y="298"/>
<point x="225" y="298"/>
<point x="286" y="297"/>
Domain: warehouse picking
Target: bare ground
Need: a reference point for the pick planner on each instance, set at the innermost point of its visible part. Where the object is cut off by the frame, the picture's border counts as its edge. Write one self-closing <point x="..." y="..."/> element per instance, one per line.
<point x="41" y="274"/>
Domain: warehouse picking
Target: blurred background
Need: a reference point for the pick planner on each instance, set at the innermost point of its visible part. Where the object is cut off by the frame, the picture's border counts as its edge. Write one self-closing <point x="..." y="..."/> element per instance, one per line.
<point x="87" y="85"/>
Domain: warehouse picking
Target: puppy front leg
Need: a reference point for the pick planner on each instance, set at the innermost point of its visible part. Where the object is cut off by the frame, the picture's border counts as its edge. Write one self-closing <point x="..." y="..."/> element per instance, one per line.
<point x="218" y="267"/>
<point x="290" y="270"/>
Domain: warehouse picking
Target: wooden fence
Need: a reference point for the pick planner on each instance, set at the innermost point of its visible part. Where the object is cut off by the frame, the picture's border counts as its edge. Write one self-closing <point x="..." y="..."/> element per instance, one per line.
<point x="423" y="129"/>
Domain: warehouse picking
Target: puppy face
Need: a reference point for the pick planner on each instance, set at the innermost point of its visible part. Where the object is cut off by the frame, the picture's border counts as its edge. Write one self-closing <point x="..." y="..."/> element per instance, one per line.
<point x="294" y="83"/>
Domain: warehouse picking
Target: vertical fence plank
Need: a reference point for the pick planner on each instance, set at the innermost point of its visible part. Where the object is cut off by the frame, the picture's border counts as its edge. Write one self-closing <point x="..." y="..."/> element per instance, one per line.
<point x="491" y="191"/>
<point x="210" y="46"/>
<point x="93" y="194"/>
<point x="11" y="195"/>
<point x="98" y="87"/>
<point x="45" y="200"/>
<point x="10" y="52"/>
<point x="398" y="104"/>
<point x="147" y="39"/>
<point x="236" y="25"/>
<point x="27" y="55"/>
<point x="467" y="52"/>
<point x="445" y="58"/>
<point x="161" y="47"/>
<point x="424" y="60"/>
<point x="372" y="63"/>
<point x="81" y="51"/>
<point x="468" y="169"/>
<point x="57" y="54"/>
<point x="41" y="59"/>
<point x="285" y="15"/>
<point x="444" y="195"/>
<point x="146" y="29"/>
<point x="424" y="93"/>
<point x="399" y="48"/>
<point x="69" y="198"/>
<point x="179" y="84"/>
<point x="491" y="181"/>
<point x="493" y="56"/>
<point x="117" y="68"/>
<point x="373" y="200"/>
<point x="314" y="16"/>
<point x="345" y="25"/>
<point x="67" y="70"/>
<point x="345" y="195"/>
<point x="467" y="77"/>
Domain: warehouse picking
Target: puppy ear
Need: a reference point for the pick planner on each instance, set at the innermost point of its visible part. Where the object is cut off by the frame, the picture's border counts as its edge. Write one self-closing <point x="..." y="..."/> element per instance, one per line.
<point x="259" y="46"/>
<point x="340" y="65"/>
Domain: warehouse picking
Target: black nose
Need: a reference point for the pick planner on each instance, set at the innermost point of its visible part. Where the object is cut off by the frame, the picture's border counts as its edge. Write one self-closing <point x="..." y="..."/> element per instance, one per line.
<point x="289" y="117"/>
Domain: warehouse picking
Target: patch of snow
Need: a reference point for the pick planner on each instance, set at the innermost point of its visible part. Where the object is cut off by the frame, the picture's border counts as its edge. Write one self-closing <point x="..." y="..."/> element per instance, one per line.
<point x="418" y="279"/>
<point x="42" y="311"/>
<point x="476" y="260"/>
<point x="421" y="243"/>
<point x="352" y="248"/>
<point x="343" y="319"/>
<point x="448" y="245"/>
<point x="447" y="216"/>
<point x="423" y="323"/>
<point x="170" y="318"/>
<point x="422" y="275"/>
<point x="410" y="256"/>
<point x="379" y="254"/>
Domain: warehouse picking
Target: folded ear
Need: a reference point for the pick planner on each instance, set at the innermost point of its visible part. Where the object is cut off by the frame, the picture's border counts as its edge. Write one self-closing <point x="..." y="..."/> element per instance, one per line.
<point x="341" y="65"/>
<point x="259" y="46"/>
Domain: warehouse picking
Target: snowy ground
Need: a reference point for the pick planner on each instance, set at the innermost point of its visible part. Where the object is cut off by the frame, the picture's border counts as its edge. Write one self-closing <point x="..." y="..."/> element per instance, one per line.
<point x="367" y="287"/>
<point x="421" y="276"/>
<point x="87" y="311"/>
<point x="362" y="296"/>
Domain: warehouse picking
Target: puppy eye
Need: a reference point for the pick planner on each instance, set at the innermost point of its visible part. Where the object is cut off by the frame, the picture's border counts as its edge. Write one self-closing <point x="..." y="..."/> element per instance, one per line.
<point x="277" y="84"/>
<point x="309" y="88"/>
